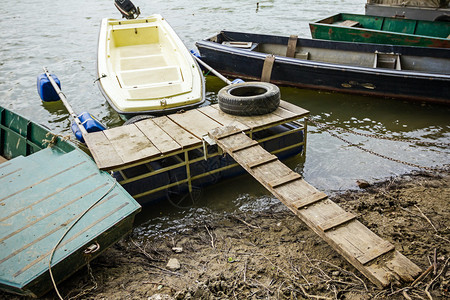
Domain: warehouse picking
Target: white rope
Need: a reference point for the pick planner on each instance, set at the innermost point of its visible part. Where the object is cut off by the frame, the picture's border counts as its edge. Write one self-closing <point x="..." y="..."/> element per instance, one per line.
<point x="67" y="231"/>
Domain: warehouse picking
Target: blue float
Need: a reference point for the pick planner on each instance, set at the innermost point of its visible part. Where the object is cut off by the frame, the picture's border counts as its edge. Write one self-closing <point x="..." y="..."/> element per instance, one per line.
<point x="45" y="88"/>
<point x="89" y="122"/>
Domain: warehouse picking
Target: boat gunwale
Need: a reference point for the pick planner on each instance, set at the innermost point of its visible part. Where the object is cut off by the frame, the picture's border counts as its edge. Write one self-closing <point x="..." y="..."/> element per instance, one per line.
<point x="311" y="63"/>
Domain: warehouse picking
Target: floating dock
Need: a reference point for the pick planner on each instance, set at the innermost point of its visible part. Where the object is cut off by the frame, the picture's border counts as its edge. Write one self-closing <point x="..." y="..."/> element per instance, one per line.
<point x="152" y="156"/>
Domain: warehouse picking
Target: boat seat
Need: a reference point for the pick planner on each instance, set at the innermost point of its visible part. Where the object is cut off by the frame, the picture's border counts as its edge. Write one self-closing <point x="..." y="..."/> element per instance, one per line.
<point x="149" y="76"/>
<point x="142" y="62"/>
<point x="157" y="92"/>
<point x="387" y="61"/>
<point x="348" y="23"/>
<point x="304" y="56"/>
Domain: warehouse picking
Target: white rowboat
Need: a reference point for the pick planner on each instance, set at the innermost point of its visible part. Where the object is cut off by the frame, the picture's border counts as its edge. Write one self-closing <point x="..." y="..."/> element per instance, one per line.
<point x="144" y="67"/>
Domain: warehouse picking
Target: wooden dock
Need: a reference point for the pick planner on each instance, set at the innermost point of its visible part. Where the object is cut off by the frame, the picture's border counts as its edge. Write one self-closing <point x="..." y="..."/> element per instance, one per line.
<point x="178" y="144"/>
<point x="376" y="258"/>
<point x="134" y="144"/>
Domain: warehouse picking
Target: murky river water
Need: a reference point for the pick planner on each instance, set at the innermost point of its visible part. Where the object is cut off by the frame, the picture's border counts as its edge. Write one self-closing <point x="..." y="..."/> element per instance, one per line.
<point x="62" y="35"/>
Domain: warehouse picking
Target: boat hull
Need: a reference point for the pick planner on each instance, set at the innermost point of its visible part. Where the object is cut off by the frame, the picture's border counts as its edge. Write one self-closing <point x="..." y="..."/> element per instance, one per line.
<point x="382" y="30"/>
<point x="143" y="67"/>
<point x="50" y="189"/>
<point x="409" y="12"/>
<point x="364" y="80"/>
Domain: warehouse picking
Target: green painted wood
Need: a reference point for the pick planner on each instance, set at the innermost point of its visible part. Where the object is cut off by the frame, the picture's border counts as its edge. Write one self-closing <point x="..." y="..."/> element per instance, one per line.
<point x="383" y="30"/>
<point x="42" y="194"/>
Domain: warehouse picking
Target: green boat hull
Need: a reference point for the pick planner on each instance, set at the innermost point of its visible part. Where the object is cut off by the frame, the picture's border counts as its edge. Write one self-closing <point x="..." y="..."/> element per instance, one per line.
<point x="382" y="30"/>
<point x="52" y="193"/>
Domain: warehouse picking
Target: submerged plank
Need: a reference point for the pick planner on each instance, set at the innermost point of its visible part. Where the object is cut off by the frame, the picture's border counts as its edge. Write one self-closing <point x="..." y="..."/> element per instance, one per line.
<point x="376" y="258"/>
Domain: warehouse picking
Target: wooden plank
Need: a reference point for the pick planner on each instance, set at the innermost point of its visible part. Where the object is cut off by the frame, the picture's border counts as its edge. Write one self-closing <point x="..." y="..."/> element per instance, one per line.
<point x="195" y="122"/>
<point x="177" y="133"/>
<point x="352" y="240"/>
<point x="375" y="252"/>
<point x="337" y="221"/>
<point x="311" y="199"/>
<point x="241" y="147"/>
<point x="2" y="159"/>
<point x="266" y="72"/>
<point x="292" y="45"/>
<point x="261" y="161"/>
<point x="349" y="23"/>
<point x="104" y="154"/>
<point x="214" y="112"/>
<point x="284" y="180"/>
<point x="298" y="111"/>
<point x="158" y="136"/>
<point x="130" y="143"/>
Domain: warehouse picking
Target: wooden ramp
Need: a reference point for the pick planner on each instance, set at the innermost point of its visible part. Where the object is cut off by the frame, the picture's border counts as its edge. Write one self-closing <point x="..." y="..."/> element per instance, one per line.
<point x="376" y="258"/>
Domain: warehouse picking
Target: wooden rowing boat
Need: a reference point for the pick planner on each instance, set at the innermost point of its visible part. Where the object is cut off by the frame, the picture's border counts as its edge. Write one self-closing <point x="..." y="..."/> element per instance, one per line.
<point x="419" y="10"/>
<point x="55" y="206"/>
<point x="382" y="30"/>
<point x="144" y="67"/>
<point x="411" y="73"/>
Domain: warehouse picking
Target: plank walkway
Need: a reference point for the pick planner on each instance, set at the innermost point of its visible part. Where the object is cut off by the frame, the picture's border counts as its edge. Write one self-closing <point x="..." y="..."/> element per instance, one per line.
<point x="376" y="258"/>
<point x="133" y="144"/>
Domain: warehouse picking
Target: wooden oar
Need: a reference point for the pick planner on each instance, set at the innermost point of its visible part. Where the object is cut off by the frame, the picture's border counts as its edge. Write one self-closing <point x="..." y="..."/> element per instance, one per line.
<point x="223" y="78"/>
<point x="65" y="102"/>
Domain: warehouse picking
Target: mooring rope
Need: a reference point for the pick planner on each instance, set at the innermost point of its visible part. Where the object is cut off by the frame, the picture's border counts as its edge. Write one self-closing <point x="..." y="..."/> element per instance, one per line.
<point x="66" y="232"/>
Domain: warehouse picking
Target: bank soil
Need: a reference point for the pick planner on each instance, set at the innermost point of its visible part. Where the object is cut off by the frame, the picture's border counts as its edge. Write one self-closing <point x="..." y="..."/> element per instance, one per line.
<point x="273" y="255"/>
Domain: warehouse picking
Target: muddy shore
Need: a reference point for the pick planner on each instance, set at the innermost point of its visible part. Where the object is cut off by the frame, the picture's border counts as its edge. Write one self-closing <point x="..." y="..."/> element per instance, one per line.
<point x="273" y="255"/>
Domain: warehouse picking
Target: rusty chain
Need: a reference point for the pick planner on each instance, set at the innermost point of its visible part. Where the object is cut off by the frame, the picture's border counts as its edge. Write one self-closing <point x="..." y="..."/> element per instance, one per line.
<point x="375" y="136"/>
<point x="327" y="128"/>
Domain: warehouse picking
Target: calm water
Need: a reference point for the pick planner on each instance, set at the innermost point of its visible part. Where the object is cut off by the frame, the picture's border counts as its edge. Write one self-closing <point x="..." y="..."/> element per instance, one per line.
<point x="62" y="35"/>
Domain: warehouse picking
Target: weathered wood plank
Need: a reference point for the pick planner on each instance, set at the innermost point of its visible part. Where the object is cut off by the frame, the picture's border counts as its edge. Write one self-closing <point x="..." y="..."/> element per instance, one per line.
<point x="337" y="221"/>
<point x="240" y="147"/>
<point x="360" y="246"/>
<point x="195" y="122"/>
<point x="284" y="180"/>
<point x="311" y="199"/>
<point x="104" y="154"/>
<point x="177" y="133"/>
<point x="261" y="161"/>
<point x="130" y="143"/>
<point x="158" y="136"/>
<point x="298" y="111"/>
<point x="2" y="159"/>
<point x="214" y="112"/>
<point x="375" y="252"/>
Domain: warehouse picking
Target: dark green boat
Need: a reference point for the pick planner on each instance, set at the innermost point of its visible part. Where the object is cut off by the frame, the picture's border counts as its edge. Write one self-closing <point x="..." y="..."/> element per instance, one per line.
<point x="382" y="30"/>
<point x="55" y="206"/>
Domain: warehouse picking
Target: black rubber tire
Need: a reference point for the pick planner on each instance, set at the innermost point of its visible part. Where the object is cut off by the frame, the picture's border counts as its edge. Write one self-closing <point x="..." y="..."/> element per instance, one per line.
<point x="443" y="18"/>
<point x="137" y="118"/>
<point x="249" y="98"/>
